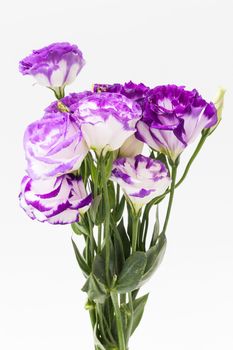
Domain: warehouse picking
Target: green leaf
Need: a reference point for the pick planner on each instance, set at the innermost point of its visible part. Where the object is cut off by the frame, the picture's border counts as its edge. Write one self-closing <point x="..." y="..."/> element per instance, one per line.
<point x="93" y="169"/>
<point x="94" y="207"/>
<point x="118" y="249"/>
<point x="101" y="213"/>
<point x="98" y="268"/>
<point x="117" y="214"/>
<point x="108" y="165"/>
<point x="79" y="229"/>
<point x="97" y="211"/>
<point x="154" y="257"/>
<point x="97" y="343"/>
<point x="111" y="194"/>
<point x="82" y="263"/>
<point x="112" y="257"/>
<point x="138" y="309"/>
<point x="156" y="229"/>
<point x="124" y="238"/>
<point x="131" y="273"/>
<point x="95" y="289"/>
<point x="129" y="228"/>
<point x="84" y="171"/>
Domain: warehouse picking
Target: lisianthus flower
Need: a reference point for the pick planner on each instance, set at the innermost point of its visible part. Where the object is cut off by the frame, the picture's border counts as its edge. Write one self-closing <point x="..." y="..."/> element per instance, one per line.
<point x="131" y="147"/>
<point x="173" y="118"/>
<point x="56" y="200"/>
<point x="107" y="120"/>
<point x="67" y="103"/>
<point x="136" y="92"/>
<point x="141" y="178"/>
<point x="54" y="146"/>
<point x="53" y="66"/>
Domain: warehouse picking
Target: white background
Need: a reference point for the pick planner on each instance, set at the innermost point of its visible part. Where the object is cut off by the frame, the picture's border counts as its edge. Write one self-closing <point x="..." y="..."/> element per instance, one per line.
<point x="183" y="42"/>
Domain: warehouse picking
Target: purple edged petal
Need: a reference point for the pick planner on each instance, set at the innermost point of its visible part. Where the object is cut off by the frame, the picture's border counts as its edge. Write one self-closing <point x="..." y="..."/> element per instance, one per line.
<point x="54" y="146"/>
<point x="173" y="118"/>
<point x="53" y="66"/>
<point x="141" y="178"/>
<point x="56" y="200"/>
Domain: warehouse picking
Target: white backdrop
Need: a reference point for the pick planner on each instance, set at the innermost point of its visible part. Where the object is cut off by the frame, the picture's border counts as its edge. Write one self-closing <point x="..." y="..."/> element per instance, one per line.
<point x="178" y="41"/>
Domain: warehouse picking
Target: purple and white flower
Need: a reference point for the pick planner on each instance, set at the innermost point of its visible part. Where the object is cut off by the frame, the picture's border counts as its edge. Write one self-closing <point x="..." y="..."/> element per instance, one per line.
<point x="107" y="120"/>
<point x="173" y="118"/>
<point x="54" y="146"/>
<point x="136" y="92"/>
<point x="67" y="103"/>
<point x="131" y="147"/>
<point x="56" y="200"/>
<point x="141" y="178"/>
<point x="53" y="66"/>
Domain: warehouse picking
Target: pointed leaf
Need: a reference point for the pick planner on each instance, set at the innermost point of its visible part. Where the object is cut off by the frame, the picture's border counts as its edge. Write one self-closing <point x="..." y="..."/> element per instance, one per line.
<point x="154" y="257"/>
<point x="97" y="343"/>
<point x="156" y="228"/>
<point x="108" y="165"/>
<point x="111" y="194"/>
<point x="112" y="257"/>
<point x="79" y="229"/>
<point x="94" y="207"/>
<point x="117" y="214"/>
<point x="124" y="238"/>
<point x="131" y="273"/>
<point x="118" y="249"/>
<point x="138" y="306"/>
<point x="98" y="268"/>
<point x="82" y="263"/>
<point x="95" y="289"/>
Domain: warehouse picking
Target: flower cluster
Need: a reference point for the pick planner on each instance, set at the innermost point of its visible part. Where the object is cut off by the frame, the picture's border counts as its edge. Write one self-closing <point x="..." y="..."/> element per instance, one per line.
<point x="85" y="167"/>
<point x="112" y="117"/>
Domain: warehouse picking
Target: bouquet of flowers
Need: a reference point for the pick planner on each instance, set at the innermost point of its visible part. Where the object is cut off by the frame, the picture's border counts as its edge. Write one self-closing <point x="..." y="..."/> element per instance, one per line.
<point x="85" y="167"/>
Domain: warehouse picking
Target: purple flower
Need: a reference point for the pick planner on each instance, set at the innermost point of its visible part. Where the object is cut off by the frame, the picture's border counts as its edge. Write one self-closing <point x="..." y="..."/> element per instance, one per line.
<point x="56" y="200"/>
<point x="136" y="92"/>
<point x="53" y="66"/>
<point x="173" y="118"/>
<point x="67" y="103"/>
<point x="54" y="146"/>
<point x="107" y="120"/>
<point x="141" y="178"/>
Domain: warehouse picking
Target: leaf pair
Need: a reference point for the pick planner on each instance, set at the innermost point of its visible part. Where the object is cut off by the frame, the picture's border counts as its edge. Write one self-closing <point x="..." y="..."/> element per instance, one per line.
<point x="140" y="266"/>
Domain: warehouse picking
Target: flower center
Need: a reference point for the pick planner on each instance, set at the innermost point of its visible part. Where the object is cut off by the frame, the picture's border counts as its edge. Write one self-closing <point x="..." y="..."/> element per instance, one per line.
<point x="62" y="108"/>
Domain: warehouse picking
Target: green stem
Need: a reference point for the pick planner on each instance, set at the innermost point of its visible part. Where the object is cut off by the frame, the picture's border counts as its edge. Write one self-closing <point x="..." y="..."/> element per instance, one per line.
<point x="87" y="255"/>
<point x="107" y="220"/>
<point x="93" y="321"/>
<point x="59" y="92"/>
<point x="99" y="238"/>
<point x="118" y="194"/>
<point x="195" y="153"/>
<point x="92" y="317"/>
<point x="120" y="330"/>
<point x="172" y="190"/>
<point x="123" y="298"/>
<point x="188" y="166"/>
<point x="130" y="326"/>
<point x="135" y="232"/>
<point x="92" y="240"/>
<point x="101" y="324"/>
